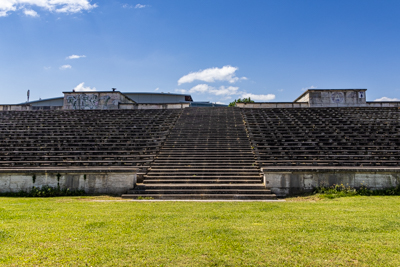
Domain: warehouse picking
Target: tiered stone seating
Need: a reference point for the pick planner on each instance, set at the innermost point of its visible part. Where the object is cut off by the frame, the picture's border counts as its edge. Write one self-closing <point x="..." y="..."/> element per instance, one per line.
<point x="325" y="136"/>
<point x="206" y="156"/>
<point x="112" y="138"/>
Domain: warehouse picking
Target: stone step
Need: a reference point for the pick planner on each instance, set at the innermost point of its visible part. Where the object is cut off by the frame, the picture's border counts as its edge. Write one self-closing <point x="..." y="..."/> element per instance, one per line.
<point x="186" y="180"/>
<point x="201" y="196"/>
<point x="208" y="169"/>
<point x="199" y="186"/>
<point x="186" y="160"/>
<point x="187" y="175"/>
<point x="210" y="157"/>
<point x="207" y="155"/>
<point x="200" y="179"/>
<point x="198" y="191"/>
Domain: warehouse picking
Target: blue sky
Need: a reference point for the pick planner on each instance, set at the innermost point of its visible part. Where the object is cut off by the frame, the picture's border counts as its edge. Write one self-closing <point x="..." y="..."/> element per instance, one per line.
<point x="214" y="50"/>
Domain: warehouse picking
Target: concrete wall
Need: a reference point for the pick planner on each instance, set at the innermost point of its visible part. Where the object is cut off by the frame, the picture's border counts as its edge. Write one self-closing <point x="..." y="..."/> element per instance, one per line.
<point x="304" y="98"/>
<point x="155" y="98"/>
<point x="306" y="105"/>
<point x="283" y="182"/>
<point x="94" y="100"/>
<point x="154" y="106"/>
<point x="59" y="101"/>
<point x="272" y="105"/>
<point x="94" y="183"/>
<point x="27" y="107"/>
<point x="334" y="97"/>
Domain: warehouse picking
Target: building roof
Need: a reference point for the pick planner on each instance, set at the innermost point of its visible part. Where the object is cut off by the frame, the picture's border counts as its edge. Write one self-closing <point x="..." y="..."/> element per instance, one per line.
<point x="320" y="90"/>
<point x="124" y="93"/>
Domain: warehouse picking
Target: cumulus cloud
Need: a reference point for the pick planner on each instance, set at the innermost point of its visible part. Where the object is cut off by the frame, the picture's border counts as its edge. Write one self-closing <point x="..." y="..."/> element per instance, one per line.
<point x="222" y="90"/>
<point x="31" y="13"/>
<point x="225" y="92"/>
<point x="254" y="97"/>
<point x="81" y="88"/>
<point x="75" y="56"/>
<point x="58" y="6"/>
<point x="181" y="91"/>
<point x="226" y="73"/>
<point x="383" y="99"/>
<point x="310" y="87"/>
<point x="64" y="67"/>
<point x="200" y="88"/>
<point x="140" y="6"/>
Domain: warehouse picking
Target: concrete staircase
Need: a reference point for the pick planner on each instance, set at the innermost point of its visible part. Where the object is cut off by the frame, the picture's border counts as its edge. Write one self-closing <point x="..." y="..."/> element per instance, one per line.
<point x="207" y="155"/>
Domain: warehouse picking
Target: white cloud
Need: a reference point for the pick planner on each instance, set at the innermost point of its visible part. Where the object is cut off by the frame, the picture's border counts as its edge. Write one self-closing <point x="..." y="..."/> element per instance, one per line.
<point x="181" y="91"/>
<point x="200" y="88"/>
<point x="222" y="90"/>
<point x="226" y="73"/>
<point x="140" y="6"/>
<point x="157" y="89"/>
<point x="221" y="103"/>
<point x="254" y="97"/>
<point x="31" y="13"/>
<point x="81" y="88"/>
<point x="58" y="6"/>
<point x="226" y="92"/>
<point x="383" y="99"/>
<point x="127" y="6"/>
<point x="280" y="90"/>
<point x="306" y="88"/>
<point x="75" y="56"/>
<point x="64" y="67"/>
<point x="46" y="68"/>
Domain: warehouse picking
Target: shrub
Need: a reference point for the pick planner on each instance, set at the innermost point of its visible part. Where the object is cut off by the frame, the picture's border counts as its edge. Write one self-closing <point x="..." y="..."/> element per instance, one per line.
<point x="244" y="100"/>
<point x="343" y="191"/>
<point x="45" y="191"/>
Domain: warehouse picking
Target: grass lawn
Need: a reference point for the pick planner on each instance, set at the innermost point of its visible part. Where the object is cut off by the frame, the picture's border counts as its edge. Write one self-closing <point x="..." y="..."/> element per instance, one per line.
<point x="80" y="231"/>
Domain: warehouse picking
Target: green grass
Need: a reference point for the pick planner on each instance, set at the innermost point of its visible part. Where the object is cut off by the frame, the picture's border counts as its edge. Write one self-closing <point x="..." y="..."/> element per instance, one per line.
<point x="306" y="231"/>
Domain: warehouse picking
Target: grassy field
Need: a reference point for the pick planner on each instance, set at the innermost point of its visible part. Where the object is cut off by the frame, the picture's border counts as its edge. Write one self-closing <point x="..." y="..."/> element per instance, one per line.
<point x="93" y="231"/>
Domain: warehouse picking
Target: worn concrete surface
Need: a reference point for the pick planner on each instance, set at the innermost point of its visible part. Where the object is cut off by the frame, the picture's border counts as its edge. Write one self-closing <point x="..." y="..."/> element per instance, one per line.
<point x="293" y="181"/>
<point x="91" y="183"/>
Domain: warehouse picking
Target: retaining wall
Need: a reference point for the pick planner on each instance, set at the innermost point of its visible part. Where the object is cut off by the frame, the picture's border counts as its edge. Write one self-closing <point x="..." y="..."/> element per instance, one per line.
<point x="288" y="181"/>
<point x="91" y="183"/>
<point x="307" y="105"/>
<point x="155" y="106"/>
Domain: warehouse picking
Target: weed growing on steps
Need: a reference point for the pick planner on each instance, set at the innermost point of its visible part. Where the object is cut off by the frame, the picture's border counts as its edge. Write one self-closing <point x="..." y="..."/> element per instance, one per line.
<point x="145" y="198"/>
<point x="335" y="191"/>
<point x="45" y="191"/>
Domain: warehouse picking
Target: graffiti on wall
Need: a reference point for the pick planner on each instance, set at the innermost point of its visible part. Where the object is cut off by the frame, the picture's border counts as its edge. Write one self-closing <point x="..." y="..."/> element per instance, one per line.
<point x="92" y="101"/>
<point x="83" y="101"/>
<point x="337" y="97"/>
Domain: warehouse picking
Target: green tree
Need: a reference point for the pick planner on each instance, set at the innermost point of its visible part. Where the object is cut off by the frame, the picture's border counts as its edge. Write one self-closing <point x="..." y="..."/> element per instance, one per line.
<point x="244" y="100"/>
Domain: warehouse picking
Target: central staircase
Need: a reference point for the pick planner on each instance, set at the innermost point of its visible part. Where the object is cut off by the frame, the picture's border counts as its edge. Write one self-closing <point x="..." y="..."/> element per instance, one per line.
<point x="207" y="155"/>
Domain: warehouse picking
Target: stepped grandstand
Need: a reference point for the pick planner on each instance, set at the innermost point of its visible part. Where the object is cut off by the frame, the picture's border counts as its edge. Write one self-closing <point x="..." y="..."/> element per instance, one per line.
<point x="105" y="142"/>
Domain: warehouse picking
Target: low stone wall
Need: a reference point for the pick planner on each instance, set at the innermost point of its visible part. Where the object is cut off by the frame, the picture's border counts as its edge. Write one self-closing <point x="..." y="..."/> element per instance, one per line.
<point x="91" y="183"/>
<point x="24" y="107"/>
<point x="273" y="105"/>
<point x="155" y="106"/>
<point x="307" y="105"/>
<point x="288" y="181"/>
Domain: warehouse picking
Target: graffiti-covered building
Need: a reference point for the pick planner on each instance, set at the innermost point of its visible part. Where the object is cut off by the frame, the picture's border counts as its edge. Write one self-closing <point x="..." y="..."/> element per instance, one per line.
<point x="106" y="100"/>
